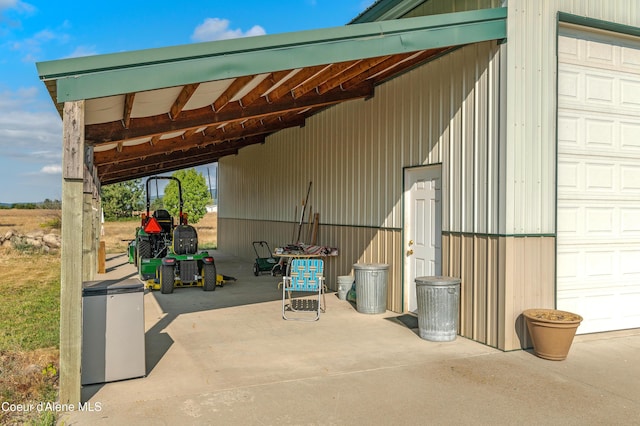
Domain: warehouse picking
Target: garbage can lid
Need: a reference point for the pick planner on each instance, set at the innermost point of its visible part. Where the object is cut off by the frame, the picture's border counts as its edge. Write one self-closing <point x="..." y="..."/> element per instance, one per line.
<point x="371" y="266"/>
<point x="437" y="281"/>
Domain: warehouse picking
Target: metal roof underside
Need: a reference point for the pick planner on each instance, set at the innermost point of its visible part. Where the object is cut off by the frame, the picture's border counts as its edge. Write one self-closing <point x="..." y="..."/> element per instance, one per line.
<point x="159" y="110"/>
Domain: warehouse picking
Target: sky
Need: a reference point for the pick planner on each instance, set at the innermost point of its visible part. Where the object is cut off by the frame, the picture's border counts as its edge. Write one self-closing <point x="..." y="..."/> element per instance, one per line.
<point x="43" y="30"/>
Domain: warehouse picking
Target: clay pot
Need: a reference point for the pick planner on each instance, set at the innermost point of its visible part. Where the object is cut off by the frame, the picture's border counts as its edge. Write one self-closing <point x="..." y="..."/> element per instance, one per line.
<point x="551" y="331"/>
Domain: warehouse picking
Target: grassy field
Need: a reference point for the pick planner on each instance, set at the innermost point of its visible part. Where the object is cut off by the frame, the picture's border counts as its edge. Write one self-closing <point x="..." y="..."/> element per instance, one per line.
<point x="30" y="305"/>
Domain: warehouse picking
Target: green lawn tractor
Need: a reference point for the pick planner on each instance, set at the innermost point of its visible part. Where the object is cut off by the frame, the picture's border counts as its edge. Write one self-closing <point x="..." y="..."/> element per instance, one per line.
<point x="167" y="253"/>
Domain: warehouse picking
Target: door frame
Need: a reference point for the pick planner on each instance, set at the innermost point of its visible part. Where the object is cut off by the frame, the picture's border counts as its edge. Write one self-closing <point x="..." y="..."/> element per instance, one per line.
<point x="403" y="242"/>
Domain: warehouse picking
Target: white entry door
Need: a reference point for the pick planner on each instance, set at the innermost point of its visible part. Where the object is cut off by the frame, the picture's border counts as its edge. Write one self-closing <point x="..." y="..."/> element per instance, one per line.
<point x="422" y="228"/>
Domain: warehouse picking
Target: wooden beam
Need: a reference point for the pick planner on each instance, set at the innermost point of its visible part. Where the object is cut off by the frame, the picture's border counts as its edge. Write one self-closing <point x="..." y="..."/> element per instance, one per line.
<point x="356" y="69"/>
<point x="320" y="78"/>
<point x="128" y="106"/>
<point x="167" y="146"/>
<point x="204" y="117"/>
<point x="71" y="252"/>
<point x="297" y="79"/>
<point x="161" y="164"/>
<point x="185" y="94"/>
<point x="233" y="89"/>
<point x="266" y="84"/>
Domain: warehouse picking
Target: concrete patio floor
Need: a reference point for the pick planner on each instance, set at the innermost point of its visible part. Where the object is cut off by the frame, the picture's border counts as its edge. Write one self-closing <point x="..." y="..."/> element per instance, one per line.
<point x="228" y="357"/>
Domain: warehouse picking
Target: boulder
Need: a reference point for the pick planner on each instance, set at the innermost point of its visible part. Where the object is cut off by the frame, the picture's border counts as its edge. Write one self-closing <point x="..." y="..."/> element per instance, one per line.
<point x="52" y="240"/>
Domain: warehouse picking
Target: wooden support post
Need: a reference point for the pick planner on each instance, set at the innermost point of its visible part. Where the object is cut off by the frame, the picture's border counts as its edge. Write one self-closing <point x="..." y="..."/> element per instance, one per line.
<point x="102" y="258"/>
<point x="71" y="252"/>
<point x="88" y="258"/>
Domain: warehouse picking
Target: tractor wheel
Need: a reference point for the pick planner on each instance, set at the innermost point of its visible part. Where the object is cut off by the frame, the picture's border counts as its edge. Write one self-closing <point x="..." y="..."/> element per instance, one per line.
<point x="210" y="277"/>
<point x="167" y="278"/>
<point x="256" y="269"/>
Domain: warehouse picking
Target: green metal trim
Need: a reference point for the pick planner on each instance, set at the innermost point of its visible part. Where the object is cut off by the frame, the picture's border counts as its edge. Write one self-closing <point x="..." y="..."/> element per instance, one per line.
<point x="386" y="9"/>
<point x="598" y="24"/>
<point x="382" y="228"/>
<point x="129" y="72"/>
<point x="482" y="234"/>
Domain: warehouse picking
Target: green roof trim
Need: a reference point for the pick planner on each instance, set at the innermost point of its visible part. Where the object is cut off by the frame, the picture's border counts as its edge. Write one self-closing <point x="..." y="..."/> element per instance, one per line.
<point x="118" y="73"/>
<point x="598" y="24"/>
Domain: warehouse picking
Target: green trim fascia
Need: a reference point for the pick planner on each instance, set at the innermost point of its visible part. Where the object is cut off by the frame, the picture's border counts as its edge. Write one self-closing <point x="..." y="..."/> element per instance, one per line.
<point x="130" y="72"/>
<point x="386" y="9"/>
<point x="598" y="24"/>
<point x="483" y="234"/>
<point x="381" y="228"/>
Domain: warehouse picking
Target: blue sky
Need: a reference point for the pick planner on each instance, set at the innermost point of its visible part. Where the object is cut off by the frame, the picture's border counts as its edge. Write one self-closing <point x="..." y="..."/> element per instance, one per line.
<point x="30" y="127"/>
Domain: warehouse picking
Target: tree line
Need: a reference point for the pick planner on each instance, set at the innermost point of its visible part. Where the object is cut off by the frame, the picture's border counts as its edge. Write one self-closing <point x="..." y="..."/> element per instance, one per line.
<point x="125" y="200"/>
<point x="46" y="204"/>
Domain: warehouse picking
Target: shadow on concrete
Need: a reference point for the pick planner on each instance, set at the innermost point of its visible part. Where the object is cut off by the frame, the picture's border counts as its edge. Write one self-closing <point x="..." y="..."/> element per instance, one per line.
<point x="409" y="321"/>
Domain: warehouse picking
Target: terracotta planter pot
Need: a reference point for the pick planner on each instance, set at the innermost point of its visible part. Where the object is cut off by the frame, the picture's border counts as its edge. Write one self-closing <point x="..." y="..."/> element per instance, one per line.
<point x="551" y="331"/>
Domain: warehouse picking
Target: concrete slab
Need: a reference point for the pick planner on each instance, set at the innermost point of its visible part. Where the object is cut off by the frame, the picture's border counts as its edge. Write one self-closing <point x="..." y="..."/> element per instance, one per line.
<point x="227" y="357"/>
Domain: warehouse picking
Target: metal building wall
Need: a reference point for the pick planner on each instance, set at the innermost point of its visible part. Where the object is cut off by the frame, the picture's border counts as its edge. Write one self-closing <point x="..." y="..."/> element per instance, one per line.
<point x="354" y="153"/>
<point x="530" y="152"/>
<point x="434" y="7"/>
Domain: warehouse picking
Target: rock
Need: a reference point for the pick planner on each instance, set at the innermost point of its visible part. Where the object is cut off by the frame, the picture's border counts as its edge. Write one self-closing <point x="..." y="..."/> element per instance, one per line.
<point x="52" y="240"/>
<point x="35" y="235"/>
<point x="8" y="235"/>
<point x="33" y="242"/>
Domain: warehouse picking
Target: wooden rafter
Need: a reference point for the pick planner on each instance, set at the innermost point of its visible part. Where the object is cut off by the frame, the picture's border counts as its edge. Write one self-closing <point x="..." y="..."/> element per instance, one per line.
<point x="233" y="89"/>
<point x="299" y="78"/>
<point x="128" y="106"/>
<point x="182" y="99"/>
<point x="282" y="99"/>
<point x="356" y="69"/>
<point x="255" y="94"/>
<point x="165" y="163"/>
<point x="197" y="140"/>
<point x="204" y="117"/>
<point x="320" y="78"/>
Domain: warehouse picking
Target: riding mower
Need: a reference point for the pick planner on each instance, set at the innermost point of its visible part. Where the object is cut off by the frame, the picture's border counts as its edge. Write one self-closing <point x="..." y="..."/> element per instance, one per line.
<point x="166" y="253"/>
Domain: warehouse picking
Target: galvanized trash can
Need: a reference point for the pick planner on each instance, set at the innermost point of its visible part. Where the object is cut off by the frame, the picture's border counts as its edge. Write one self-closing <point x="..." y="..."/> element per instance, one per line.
<point x="371" y="287"/>
<point x="438" y="300"/>
<point x="344" y="285"/>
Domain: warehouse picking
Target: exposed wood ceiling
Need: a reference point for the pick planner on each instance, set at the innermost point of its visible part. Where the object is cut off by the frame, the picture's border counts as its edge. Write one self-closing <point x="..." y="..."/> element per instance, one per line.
<point x="144" y="133"/>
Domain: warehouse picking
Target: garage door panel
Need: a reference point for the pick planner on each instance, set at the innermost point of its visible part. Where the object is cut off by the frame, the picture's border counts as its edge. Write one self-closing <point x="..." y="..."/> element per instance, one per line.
<point x="599" y="90"/>
<point x="598" y="179"/>
<point x="600" y="221"/>
<point x="604" y="134"/>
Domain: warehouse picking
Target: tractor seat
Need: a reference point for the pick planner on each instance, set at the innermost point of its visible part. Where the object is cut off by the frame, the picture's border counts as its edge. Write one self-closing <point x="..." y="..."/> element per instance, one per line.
<point x="164" y="219"/>
<point x="185" y="240"/>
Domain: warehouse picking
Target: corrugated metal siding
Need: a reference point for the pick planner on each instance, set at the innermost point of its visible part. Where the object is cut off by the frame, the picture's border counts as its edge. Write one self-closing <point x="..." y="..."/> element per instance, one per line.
<point x="500" y="277"/>
<point x="354" y="153"/>
<point x="357" y="245"/>
<point x="529" y="183"/>
<point x="434" y="7"/>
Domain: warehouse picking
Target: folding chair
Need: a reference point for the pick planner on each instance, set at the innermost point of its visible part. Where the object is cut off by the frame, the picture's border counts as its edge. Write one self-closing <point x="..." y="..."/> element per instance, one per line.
<point x="306" y="276"/>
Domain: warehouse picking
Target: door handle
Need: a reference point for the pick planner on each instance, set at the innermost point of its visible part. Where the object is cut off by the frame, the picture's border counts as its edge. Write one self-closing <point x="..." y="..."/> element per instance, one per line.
<point x="410" y="243"/>
<point x="409" y="252"/>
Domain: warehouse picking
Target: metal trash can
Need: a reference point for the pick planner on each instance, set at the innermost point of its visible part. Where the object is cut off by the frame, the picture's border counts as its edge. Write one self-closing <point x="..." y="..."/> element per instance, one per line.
<point x="438" y="300"/>
<point x="113" y="345"/>
<point x="344" y="285"/>
<point x="371" y="287"/>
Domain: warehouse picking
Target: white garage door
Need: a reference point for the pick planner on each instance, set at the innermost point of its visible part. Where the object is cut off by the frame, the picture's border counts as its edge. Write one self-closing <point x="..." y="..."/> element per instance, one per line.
<point x="598" y="246"/>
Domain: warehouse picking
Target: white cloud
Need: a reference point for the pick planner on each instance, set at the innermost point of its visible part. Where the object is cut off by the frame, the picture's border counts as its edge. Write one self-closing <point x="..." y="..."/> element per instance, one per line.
<point x="52" y="169"/>
<point x="16" y="5"/>
<point x="218" y="29"/>
<point x="27" y="125"/>
<point x="83" y="51"/>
